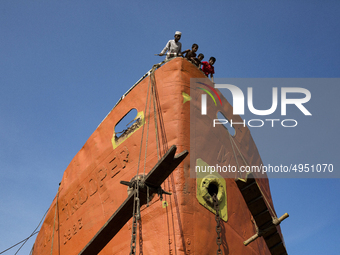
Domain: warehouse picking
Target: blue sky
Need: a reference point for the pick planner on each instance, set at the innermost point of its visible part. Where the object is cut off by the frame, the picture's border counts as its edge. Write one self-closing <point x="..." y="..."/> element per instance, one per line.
<point x="64" y="65"/>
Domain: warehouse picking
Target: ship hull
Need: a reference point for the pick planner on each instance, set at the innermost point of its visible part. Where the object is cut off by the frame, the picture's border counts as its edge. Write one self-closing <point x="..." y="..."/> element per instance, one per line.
<point x="90" y="191"/>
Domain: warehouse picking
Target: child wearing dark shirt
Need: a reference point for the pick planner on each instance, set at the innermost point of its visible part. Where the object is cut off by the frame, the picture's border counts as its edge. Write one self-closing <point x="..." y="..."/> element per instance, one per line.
<point x="198" y="61"/>
<point x="190" y="54"/>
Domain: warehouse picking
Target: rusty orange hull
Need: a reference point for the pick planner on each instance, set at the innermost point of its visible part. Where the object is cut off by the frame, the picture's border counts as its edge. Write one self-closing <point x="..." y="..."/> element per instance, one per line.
<point x="90" y="191"/>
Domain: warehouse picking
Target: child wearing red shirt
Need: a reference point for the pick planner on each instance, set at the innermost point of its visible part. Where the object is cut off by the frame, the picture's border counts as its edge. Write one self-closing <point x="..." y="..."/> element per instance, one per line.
<point x="207" y="68"/>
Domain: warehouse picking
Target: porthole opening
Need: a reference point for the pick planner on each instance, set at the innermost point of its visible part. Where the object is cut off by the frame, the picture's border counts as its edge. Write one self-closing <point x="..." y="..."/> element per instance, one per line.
<point x="127" y="124"/>
<point x="212" y="189"/>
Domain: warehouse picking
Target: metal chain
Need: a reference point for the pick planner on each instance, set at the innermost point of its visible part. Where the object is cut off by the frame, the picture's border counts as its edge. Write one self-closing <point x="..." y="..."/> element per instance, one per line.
<point x="134" y="235"/>
<point x="140" y="238"/>
<point x="135" y="218"/>
<point x="218" y="226"/>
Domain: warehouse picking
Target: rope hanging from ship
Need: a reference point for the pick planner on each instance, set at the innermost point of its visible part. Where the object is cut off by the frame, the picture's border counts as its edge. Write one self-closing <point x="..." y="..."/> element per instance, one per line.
<point x="26" y="239"/>
<point x="171" y="181"/>
<point x="56" y="216"/>
<point x="136" y="206"/>
<point x="152" y="98"/>
<point x="136" y="217"/>
<point x="164" y="144"/>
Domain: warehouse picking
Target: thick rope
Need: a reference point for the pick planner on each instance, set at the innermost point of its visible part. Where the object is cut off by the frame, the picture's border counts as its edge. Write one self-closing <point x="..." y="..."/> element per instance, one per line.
<point x="23" y="241"/>
<point x="153" y="88"/>
<point x="158" y="110"/>
<point x="136" y="196"/>
<point x="141" y="142"/>
<point x="148" y="127"/>
<point x="33" y="233"/>
<point x="161" y="122"/>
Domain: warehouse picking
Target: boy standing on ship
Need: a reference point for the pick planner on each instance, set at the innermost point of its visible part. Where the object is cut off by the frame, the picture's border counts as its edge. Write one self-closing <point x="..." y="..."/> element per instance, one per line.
<point x="173" y="47"/>
<point x="207" y="68"/>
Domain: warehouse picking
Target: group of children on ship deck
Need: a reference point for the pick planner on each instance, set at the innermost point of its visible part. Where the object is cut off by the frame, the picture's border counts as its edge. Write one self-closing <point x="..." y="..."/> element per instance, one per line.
<point x="173" y="48"/>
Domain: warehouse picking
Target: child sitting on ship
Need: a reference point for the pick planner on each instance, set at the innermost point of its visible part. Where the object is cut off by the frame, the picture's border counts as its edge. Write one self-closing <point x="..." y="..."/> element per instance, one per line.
<point x="190" y="54"/>
<point x="198" y="61"/>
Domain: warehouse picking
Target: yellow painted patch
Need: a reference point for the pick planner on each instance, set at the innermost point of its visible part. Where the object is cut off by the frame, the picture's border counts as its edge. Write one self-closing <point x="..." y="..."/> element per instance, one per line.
<point x="186" y="97"/>
<point x="204" y="180"/>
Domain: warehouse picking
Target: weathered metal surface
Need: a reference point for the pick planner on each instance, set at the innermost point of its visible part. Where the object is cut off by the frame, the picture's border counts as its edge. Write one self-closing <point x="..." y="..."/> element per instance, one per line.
<point x="90" y="191"/>
<point x="155" y="178"/>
